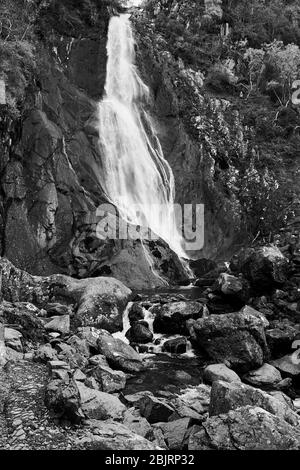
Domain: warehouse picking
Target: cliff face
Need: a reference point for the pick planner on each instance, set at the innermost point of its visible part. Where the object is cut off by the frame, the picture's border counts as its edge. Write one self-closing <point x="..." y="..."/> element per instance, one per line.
<point x="231" y="147"/>
<point x="50" y="162"/>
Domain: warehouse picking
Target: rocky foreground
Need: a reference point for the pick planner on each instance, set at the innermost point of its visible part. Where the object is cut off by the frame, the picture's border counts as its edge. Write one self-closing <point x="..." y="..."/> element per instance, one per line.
<point x="65" y="369"/>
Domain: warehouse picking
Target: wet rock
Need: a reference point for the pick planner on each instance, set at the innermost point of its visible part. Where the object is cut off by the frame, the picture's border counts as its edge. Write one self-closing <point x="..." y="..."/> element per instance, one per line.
<point x="112" y="436"/>
<point x="171" y="318"/>
<point x="119" y="354"/>
<point x="136" y="312"/>
<point x="219" y="372"/>
<point x="237" y="339"/>
<point x="60" y="324"/>
<point x="232" y="286"/>
<point x="64" y="400"/>
<point x="264" y="267"/>
<point x="99" y="405"/>
<point x="175" y="432"/>
<point x="45" y="353"/>
<point x="139" y="333"/>
<point x="12" y="339"/>
<point x="266" y="376"/>
<point x="109" y="380"/>
<point x="234" y="431"/>
<point x="176" y="345"/>
<point x="136" y="423"/>
<point x="227" y="396"/>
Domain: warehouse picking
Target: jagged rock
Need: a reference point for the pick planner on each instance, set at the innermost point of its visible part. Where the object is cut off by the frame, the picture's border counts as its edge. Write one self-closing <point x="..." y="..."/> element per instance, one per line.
<point x="227" y="396"/>
<point x="175" y="346"/>
<point x="234" y="431"/>
<point x="139" y="333"/>
<point x="26" y="316"/>
<point x="264" y="267"/>
<point x="55" y="309"/>
<point x="233" y="286"/>
<point x="112" y="436"/>
<point x="280" y="340"/>
<point x="64" y="400"/>
<point x="171" y="318"/>
<point x="109" y="380"/>
<point x="79" y="376"/>
<point x="100" y="405"/>
<point x="45" y="353"/>
<point x="60" y="324"/>
<point x="139" y="425"/>
<point x="154" y="409"/>
<point x="237" y="339"/>
<point x="175" y="432"/>
<point x="12" y="339"/>
<point x="81" y="346"/>
<point x="266" y="376"/>
<point x="119" y="354"/>
<point x="288" y="365"/>
<point x="219" y="372"/>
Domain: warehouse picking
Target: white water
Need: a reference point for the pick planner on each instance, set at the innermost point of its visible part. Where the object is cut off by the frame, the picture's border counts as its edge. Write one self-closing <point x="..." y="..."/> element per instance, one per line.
<point x="135" y="176"/>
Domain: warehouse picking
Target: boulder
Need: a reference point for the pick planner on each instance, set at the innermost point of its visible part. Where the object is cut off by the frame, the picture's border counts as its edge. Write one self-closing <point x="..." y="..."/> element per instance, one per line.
<point x="288" y="365"/>
<point x="176" y="345"/>
<point x="139" y="333"/>
<point x="119" y="354"/>
<point x="112" y="436"/>
<point x="59" y="324"/>
<point x="109" y="380"/>
<point x="236" y="287"/>
<point x="136" y="312"/>
<point x="264" y="267"/>
<point x="154" y="409"/>
<point x="195" y="398"/>
<point x="136" y="423"/>
<point x="12" y="339"/>
<point x="215" y="372"/>
<point x="237" y="339"/>
<point x="99" y="405"/>
<point x="64" y="400"/>
<point x="280" y="340"/>
<point x="174" y="432"/>
<point x="266" y="376"/>
<point x="171" y="318"/>
<point x="247" y="428"/>
<point x="227" y="396"/>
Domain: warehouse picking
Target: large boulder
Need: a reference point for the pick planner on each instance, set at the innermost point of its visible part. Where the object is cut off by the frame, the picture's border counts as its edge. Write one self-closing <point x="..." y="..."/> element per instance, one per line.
<point x="119" y="354"/>
<point x="171" y="318"/>
<point x="264" y="267"/>
<point x="227" y="396"/>
<point x="99" y="405"/>
<point x="110" y="435"/>
<point x="139" y="333"/>
<point x="237" y="339"/>
<point x="215" y="372"/>
<point x="246" y="428"/>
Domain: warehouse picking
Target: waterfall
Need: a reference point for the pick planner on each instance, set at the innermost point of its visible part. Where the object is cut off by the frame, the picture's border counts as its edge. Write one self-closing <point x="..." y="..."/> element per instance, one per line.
<point x="135" y="176"/>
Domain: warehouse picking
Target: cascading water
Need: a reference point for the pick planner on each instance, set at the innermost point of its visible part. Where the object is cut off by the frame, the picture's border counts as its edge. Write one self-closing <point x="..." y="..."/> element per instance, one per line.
<point x="135" y="176"/>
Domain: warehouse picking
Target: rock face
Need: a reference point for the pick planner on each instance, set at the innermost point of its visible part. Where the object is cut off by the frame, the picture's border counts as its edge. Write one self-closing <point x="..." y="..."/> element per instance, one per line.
<point x="230" y="396"/>
<point x="234" y="431"/>
<point x="235" y="338"/>
<point x="171" y="318"/>
<point x="264" y="267"/>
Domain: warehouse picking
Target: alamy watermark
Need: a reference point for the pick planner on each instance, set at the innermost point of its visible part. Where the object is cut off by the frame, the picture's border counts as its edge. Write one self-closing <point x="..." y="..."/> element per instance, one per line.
<point x="173" y="223"/>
